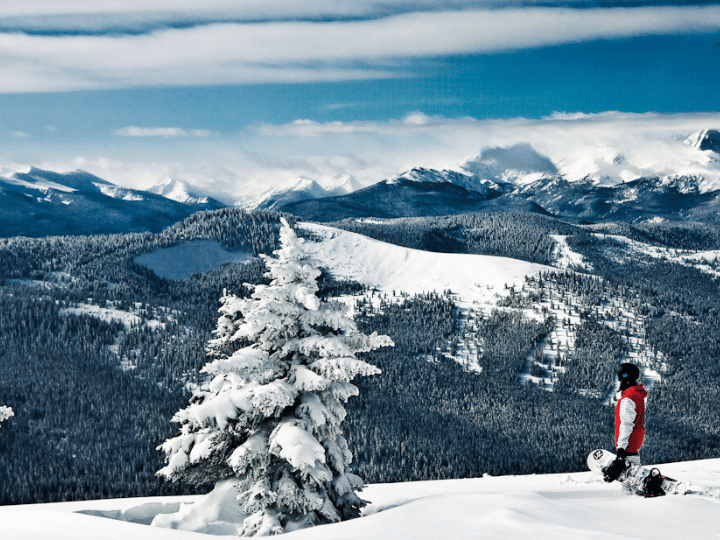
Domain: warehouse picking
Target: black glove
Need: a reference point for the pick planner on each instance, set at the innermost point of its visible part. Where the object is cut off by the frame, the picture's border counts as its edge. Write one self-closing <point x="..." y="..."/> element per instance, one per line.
<point x="621" y="453"/>
<point x="614" y="470"/>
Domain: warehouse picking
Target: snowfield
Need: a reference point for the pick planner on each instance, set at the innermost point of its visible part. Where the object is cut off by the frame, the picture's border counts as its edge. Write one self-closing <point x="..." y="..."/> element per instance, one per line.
<point x="576" y="506"/>
<point x="474" y="279"/>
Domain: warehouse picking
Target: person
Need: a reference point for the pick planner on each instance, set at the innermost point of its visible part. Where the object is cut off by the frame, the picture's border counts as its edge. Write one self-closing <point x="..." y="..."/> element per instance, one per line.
<point x="629" y="421"/>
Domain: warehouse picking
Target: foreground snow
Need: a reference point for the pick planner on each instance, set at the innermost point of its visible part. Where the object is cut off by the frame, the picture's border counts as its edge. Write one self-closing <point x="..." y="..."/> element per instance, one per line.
<point x="573" y="506"/>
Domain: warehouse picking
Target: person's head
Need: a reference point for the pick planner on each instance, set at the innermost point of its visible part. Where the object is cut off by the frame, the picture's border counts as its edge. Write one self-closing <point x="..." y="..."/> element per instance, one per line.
<point x="628" y="375"/>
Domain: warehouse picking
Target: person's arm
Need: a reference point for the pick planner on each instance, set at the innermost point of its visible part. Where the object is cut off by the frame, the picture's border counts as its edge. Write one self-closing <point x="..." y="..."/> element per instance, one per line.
<point x="627" y="422"/>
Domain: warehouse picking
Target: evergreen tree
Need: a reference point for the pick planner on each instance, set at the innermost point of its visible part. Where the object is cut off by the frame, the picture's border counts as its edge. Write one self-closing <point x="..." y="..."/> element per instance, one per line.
<point x="5" y="413"/>
<point x="281" y="365"/>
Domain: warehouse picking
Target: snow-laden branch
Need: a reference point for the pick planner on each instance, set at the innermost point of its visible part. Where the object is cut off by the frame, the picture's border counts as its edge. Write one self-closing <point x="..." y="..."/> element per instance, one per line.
<point x="5" y="413"/>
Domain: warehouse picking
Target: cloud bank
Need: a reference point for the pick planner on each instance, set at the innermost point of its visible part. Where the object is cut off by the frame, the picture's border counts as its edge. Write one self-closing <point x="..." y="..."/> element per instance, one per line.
<point x="133" y="131"/>
<point x="616" y="146"/>
<point x="303" y="51"/>
<point x="619" y="146"/>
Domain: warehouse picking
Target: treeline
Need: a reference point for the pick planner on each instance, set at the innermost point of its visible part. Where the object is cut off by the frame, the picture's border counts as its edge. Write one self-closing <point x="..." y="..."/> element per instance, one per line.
<point x="108" y="257"/>
<point x="523" y="236"/>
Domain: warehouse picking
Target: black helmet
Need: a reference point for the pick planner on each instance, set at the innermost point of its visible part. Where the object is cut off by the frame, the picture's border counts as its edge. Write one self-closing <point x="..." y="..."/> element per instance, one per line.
<point x="628" y="375"/>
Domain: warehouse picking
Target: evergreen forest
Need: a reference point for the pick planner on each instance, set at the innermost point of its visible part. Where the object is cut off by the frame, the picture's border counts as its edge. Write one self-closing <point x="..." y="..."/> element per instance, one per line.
<point x="93" y="392"/>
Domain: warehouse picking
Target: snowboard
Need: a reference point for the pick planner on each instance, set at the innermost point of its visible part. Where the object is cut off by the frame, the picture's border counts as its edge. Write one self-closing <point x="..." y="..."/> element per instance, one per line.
<point x="640" y="480"/>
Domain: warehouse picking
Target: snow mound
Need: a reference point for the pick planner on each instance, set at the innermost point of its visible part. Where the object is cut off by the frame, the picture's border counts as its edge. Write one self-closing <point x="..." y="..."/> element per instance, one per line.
<point x="570" y="506"/>
<point x="216" y="513"/>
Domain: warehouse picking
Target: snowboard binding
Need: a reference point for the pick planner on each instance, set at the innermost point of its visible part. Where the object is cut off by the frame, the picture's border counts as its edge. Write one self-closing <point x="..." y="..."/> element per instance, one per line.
<point x="642" y="481"/>
<point x="653" y="485"/>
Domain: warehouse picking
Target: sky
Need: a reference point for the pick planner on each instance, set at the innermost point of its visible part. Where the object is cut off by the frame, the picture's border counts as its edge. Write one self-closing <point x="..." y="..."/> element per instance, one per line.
<point x="237" y="97"/>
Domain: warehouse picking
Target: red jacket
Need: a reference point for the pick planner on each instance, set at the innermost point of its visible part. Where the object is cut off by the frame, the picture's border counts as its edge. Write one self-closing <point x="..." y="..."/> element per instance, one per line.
<point x="630" y="419"/>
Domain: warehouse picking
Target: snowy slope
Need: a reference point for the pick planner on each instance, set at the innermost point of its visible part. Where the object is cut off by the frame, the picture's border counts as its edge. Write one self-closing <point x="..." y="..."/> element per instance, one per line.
<point x="474" y="279"/>
<point x="577" y="506"/>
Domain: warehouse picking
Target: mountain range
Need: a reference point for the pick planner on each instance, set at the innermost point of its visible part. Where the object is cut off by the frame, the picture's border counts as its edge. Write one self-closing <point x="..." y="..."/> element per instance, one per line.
<point x="606" y="186"/>
<point x="300" y="189"/>
<point x="45" y="203"/>
<point x="518" y="178"/>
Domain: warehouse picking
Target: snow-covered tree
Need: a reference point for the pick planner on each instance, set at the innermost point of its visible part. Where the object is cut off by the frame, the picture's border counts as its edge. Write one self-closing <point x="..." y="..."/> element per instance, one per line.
<point x="269" y="415"/>
<point x="5" y="413"/>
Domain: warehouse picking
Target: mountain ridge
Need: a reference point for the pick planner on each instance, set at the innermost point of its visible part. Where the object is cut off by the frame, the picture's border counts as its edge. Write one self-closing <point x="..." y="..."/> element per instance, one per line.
<point x="518" y="177"/>
<point x="46" y="203"/>
<point x="299" y="189"/>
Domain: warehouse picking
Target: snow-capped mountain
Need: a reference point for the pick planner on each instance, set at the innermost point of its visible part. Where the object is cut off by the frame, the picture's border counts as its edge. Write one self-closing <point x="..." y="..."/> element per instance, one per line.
<point x="707" y="139"/>
<point x="181" y="192"/>
<point x="418" y="192"/>
<point x="518" y="164"/>
<point x="342" y="185"/>
<point x="485" y="187"/>
<point x="46" y="203"/>
<point x="615" y="185"/>
<point x="300" y="189"/>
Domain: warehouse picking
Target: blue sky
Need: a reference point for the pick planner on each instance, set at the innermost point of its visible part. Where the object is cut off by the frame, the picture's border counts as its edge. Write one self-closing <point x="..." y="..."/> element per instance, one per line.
<point x="237" y="96"/>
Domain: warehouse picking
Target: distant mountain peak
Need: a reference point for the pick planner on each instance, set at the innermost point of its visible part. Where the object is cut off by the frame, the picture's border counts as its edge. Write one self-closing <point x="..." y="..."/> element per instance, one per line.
<point x="470" y="182"/>
<point x="179" y="191"/>
<point x="342" y="185"/>
<point x="41" y="203"/>
<point x="519" y="163"/>
<point x="707" y="139"/>
<point x="73" y="180"/>
<point x="298" y="189"/>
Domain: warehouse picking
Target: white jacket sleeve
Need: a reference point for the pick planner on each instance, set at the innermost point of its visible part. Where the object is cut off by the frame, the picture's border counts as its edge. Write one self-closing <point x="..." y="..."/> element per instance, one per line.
<point x="627" y="422"/>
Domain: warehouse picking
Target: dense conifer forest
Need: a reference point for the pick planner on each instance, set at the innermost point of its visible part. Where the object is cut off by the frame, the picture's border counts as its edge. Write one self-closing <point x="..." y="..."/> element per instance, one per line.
<point x="93" y="395"/>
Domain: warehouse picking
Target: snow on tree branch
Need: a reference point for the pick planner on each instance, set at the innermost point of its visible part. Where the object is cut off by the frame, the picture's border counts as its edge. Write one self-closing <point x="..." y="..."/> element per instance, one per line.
<point x="280" y="368"/>
<point x="5" y="413"/>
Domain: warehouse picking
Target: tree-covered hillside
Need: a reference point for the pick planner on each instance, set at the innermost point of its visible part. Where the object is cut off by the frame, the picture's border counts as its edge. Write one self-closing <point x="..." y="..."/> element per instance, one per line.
<point x="97" y="352"/>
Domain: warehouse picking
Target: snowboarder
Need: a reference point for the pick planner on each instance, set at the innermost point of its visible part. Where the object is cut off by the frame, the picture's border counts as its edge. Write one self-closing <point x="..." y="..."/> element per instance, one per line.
<point x="629" y="421"/>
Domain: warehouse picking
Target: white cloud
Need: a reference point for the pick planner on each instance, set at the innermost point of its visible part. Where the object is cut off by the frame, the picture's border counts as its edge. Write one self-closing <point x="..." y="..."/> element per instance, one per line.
<point x="133" y="131"/>
<point x="613" y="144"/>
<point x="234" y="53"/>
<point x="413" y="122"/>
<point x="255" y="9"/>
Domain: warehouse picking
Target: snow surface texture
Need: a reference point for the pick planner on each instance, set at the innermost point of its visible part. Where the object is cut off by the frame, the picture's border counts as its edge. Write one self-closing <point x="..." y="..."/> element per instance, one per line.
<point x="577" y="506"/>
<point x="182" y="261"/>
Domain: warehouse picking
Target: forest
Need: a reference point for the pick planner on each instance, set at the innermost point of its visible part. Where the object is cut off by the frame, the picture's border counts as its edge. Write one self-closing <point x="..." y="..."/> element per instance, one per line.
<point x="92" y="397"/>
